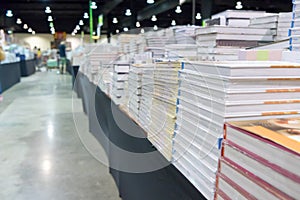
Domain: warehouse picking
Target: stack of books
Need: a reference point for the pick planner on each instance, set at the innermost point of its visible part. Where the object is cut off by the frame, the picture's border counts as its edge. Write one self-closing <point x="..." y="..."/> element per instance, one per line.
<point x="260" y="160"/>
<point x="135" y="89"/>
<point x="283" y="26"/>
<point x="219" y="43"/>
<point x="294" y="32"/>
<point x="211" y="93"/>
<point x="124" y="42"/>
<point x="269" y="21"/>
<point x="185" y="34"/>
<point x="156" y="43"/>
<point x="147" y="95"/>
<point x="181" y="51"/>
<point x="120" y="78"/>
<point x="163" y="111"/>
<point x="235" y="18"/>
<point x="98" y="61"/>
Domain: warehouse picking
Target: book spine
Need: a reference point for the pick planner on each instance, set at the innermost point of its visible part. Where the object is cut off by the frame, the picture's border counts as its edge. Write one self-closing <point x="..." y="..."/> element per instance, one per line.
<point x="265" y="162"/>
<point x="257" y="180"/>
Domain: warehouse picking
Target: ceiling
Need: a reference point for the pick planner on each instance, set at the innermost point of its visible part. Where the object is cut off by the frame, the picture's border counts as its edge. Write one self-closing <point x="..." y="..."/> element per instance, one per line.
<point x="67" y="13"/>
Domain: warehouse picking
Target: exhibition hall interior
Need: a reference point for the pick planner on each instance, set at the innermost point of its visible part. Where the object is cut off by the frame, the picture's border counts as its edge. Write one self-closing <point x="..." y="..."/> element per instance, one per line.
<point x="149" y="99"/>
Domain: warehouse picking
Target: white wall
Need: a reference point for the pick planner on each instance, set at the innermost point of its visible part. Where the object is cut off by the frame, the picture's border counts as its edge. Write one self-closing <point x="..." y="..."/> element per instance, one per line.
<point x="43" y="41"/>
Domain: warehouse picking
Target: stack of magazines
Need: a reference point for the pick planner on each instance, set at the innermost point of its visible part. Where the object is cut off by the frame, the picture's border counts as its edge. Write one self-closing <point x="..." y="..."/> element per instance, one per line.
<point x="260" y="160"/>
<point x="211" y="93"/>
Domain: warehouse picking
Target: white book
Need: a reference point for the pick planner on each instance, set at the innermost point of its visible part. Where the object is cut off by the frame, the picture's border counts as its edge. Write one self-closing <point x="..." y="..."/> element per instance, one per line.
<point x="250" y="184"/>
<point x="271" y="25"/>
<point x="218" y="36"/>
<point x="266" y="173"/>
<point x="234" y="30"/>
<point x="264" y="20"/>
<point x="246" y="68"/>
<point x="238" y="13"/>
<point x="121" y="68"/>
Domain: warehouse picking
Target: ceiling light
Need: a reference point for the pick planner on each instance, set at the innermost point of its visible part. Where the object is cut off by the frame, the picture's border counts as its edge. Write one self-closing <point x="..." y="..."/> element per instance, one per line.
<point x="77" y="27"/>
<point x="75" y="31"/>
<point x="19" y="21"/>
<point x="138" y="24"/>
<point x="9" y="13"/>
<point x="239" y="5"/>
<point x="52" y="29"/>
<point x="25" y="26"/>
<point x="153" y="18"/>
<point x="50" y="19"/>
<point x="73" y="34"/>
<point x="155" y="27"/>
<point x="93" y="5"/>
<point x="178" y="9"/>
<point x="117" y="31"/>
<point x="51" y="24"/>
<point x="125" y="29"/>
<point x="142" y="30"/>
<point x="48" y="10"/>
<point x="150" y="1"/>
<point x="33" y="32"/>
<point x="30" y="30"/>
<point x="173" y="23"/>
<point x="128" y="12"/>
<point x="9" y="32"/>
<point x="198" y="16"/>
<point x="81" y="22"/>
<point x="85" y="15"/>
<point x="115" y="20"/>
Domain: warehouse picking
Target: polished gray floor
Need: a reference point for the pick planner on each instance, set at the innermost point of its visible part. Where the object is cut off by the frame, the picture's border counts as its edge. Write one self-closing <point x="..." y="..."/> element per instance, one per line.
<point x="41" y="155"/>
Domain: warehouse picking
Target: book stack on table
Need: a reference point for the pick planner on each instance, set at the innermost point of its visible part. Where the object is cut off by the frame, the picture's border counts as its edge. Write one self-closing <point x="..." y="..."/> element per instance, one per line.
<point x="163" y="111"/>
<point x="294" y="32"/>
<point x="156" y="43"/>
<point x="98" y="58"/>
<point x="211" y="93"/>
<point x="147" y="95"/>
<point x="283" y="26"/>
<point x="185" y="34"/>
<point x="219" y="43"/>
<point x="120" y="79"/>
<point x="135" y="84"/>
<point x="269" y="21"/>
<point x="260" y="160"/>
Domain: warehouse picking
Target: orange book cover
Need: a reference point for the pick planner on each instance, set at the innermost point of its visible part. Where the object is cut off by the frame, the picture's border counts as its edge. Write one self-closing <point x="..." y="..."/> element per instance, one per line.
<point x="282" y="131"/>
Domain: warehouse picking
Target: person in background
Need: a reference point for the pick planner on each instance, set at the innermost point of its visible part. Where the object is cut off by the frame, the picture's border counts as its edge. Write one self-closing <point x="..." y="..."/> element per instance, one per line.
<point x="39" y="56"/>
<point x="62" y="59"/>
<point x="34" y="50"/>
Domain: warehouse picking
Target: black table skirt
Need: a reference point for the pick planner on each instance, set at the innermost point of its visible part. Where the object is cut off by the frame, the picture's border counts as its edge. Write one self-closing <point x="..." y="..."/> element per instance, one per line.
<point x="105" y="120"/>
<point x="27" y="67"/>
<point x="10" y="74"/>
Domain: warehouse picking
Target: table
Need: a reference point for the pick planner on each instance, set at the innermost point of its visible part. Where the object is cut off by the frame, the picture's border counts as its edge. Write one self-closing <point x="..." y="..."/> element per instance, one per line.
<point x="107" y="122"/>
<point x="10" y="74"/>
<point x="27" y="67"/>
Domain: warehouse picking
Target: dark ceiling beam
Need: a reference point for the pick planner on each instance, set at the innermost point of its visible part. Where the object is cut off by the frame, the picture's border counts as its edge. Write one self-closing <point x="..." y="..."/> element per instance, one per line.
<point x="108" y="7"/>
<point x="154" y="9"/>
<point x="157" y="8"/>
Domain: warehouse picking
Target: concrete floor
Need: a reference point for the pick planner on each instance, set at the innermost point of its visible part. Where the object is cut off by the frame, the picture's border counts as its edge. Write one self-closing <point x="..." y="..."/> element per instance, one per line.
<point x="41" y="155"/>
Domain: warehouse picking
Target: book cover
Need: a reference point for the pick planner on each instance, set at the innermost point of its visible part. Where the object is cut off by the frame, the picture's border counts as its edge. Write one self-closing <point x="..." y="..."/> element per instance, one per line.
<point x="283" y="131"/>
